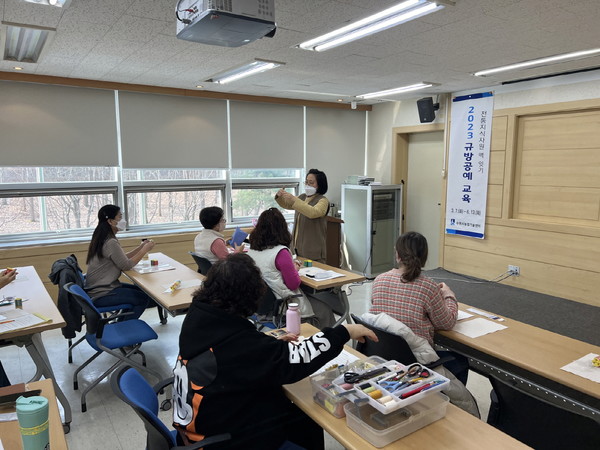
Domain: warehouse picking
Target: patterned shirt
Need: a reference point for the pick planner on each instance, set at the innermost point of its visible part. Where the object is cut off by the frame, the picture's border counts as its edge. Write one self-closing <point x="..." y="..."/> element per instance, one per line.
<point x="418" y="304"/>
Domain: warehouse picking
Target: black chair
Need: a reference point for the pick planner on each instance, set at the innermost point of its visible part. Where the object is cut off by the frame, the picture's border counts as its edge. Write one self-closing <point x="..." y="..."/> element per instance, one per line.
<point x="539" y="424"/>
<point x="390" y="346"/>
<point x="204" y="264"/>
<point x="133" y="389"/>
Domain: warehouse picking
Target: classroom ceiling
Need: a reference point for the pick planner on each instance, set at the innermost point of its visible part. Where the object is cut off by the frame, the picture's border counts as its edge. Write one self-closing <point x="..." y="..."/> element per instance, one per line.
<point x="133" y="41"/>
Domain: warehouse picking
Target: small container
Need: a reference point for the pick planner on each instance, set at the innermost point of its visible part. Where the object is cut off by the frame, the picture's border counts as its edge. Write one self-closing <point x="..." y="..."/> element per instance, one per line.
<point x="308" y="263"/>
<point x="292" y="319"/>
<point x="154" y="262"/>
<point x="146" y="260"/>
<point x="19" y="303"/>
<point x="382" y="429"/>
<point x="32" y="413"/>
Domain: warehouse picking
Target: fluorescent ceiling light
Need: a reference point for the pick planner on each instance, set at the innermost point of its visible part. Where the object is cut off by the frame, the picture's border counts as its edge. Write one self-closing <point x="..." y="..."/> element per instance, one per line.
<point x="24" y="43"/>
<point x="402" y="12"/>
<point x="57" y="3"/>
<point x="400" y="90"/>
<point x="541" y="62"/>
<point x="252" y="68"/>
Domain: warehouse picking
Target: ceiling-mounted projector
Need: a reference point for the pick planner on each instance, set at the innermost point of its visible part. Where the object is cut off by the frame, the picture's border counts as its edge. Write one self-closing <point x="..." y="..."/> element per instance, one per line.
<point x="229" y="23"/>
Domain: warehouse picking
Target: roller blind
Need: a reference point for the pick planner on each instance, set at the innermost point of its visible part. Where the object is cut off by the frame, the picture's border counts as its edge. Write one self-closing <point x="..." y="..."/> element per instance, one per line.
<point x="164" y="131"/>
<point x="44" y="125"/>
<point x="265" y="136"/>
<point x="335" y="144"/>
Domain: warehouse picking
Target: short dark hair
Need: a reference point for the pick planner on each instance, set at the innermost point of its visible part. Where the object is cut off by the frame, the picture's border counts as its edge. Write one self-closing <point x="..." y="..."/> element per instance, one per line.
<point x="321" y="180"/>
<point x="234" y="285"/>
<point x="211" y="216"/>
<point x="271" y="229"/>
<point x="412" y="250"/>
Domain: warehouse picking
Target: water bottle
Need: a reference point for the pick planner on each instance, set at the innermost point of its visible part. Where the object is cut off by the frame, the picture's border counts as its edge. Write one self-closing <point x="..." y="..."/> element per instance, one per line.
<point x="292" y="319"/>
<point x="32" y="413"/>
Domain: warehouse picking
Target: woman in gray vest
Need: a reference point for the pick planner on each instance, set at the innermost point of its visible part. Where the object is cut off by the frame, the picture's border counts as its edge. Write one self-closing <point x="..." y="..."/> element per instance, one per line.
<point x="310" y="221"/>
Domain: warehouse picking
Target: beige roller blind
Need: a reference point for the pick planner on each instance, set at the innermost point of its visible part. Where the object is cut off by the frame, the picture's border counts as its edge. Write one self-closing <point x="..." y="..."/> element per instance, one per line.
<point x="265" y="136"/>
<point x="335" y="144"/>
<point x="44" y="125"/>
<point x="164" y="131"/>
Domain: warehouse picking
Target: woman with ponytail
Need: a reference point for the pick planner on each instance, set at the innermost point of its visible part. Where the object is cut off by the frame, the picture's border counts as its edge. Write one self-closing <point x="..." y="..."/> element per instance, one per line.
<point x="106" y="259"/>
<point x="415" y="300"/>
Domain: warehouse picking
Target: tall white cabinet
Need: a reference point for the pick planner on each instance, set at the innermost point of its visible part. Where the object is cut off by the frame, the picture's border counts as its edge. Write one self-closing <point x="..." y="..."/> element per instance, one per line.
<point x="372" y="218"/>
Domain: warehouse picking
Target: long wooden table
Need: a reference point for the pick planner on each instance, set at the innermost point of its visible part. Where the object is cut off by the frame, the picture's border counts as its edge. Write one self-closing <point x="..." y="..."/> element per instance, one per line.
<point x="457" y="430"/>
<point x="9" y="431"/>
<point x="533" y="355"/>
<point x="153" y="284"/>
<point x="335" y="285"/>
<point x="28" y="285"/>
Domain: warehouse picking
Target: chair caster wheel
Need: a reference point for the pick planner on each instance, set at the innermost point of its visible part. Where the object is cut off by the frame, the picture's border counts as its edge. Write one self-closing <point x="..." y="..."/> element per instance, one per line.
<point x="163" y="321"/>
<point x="66" y="427"/>
<point x="165" y="405"/>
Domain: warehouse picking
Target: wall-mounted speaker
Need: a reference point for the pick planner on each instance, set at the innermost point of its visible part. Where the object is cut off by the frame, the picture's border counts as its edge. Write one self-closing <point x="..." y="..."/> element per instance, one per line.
<point x="427" y="109"/>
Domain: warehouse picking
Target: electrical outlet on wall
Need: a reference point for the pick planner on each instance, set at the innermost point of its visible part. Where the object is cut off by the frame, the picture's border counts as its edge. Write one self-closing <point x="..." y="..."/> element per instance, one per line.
<point x="514" y="270"/>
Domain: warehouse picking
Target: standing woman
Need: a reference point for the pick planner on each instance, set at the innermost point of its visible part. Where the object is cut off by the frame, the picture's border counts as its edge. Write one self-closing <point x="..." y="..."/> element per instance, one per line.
<point x="310" y="221"/>
<point x="106" y="259"/>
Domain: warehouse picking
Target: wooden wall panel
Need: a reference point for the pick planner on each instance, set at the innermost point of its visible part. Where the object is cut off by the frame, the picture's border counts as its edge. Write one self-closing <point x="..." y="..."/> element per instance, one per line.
<point x="557" y="131"/>
<point x="550" y="279"/>
<point x="560" y="202"/>
<point x="494" y="201"/>
<point x="499" y="130"/>
<point x="547" y="168"/>
<point x="496" y="175"/>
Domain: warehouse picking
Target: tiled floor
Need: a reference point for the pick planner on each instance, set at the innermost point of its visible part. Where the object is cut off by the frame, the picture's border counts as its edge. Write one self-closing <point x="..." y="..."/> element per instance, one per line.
<point x="108" y="422"/>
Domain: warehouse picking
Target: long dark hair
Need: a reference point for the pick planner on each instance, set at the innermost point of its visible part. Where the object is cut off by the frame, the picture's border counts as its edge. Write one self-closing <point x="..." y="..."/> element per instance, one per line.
<point x="412" y="250"/>
<point x="270" y="230"/>
<point x="234" y="285"/>
<point x="102" y="232"/>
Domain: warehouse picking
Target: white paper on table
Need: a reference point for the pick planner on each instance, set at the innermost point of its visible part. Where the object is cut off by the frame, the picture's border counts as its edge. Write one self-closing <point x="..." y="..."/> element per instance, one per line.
<point x="19" y="319"/>
<point x="584" y="368"/>
<point x="318" y="274"/>
<point x="343" y="359"/>
<point x="477" y="327"/>
<point x="144" y="268"/>
<point x="184" y="285"/>
<point x="7" y="417"/>
<point x="463" y="315"/>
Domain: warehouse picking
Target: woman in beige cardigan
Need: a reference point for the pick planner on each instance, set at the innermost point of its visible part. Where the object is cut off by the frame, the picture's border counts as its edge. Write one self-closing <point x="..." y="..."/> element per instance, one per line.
<point x="310" y="221"/>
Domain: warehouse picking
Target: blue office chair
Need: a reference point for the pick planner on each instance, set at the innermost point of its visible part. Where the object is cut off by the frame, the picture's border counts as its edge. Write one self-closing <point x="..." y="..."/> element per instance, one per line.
<point x="106" y="336"/>
<point x="133" y="389"/>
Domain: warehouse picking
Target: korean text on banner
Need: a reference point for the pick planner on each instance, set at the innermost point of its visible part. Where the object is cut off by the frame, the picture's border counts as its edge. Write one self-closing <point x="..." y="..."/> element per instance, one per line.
<point x="468" y="164"/>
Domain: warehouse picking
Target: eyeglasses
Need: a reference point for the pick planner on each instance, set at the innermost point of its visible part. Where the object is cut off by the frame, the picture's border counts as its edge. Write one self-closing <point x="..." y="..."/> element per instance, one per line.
<point x="223" y="220"/>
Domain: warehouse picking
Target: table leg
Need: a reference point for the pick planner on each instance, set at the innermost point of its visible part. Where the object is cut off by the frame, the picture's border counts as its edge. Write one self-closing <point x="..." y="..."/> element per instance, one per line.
<point x="35" y="347"/>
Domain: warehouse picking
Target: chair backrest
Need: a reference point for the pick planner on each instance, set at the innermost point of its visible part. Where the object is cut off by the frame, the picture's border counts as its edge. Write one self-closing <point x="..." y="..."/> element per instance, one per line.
<point x="133" y="389"/>
<point x="204" y="264"/>
<point x="390" y="346"/>
<point x="537" y="423"/>
<point x="92" y="315"/>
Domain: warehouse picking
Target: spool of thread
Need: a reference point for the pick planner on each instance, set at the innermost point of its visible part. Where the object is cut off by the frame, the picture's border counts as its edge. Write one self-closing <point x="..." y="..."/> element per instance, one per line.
<point x="308" y="263"/>
<point x="376" y="394"/>
<point x="369" y="390"/>
<point x="386" y="399"/>
<point x="154" y="262"/>
<point x="19" y="303"/>
<point x="32" y="413"/>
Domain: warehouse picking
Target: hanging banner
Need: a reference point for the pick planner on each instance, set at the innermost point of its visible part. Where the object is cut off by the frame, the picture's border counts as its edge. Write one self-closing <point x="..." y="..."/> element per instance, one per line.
<point x="468" y="164"/>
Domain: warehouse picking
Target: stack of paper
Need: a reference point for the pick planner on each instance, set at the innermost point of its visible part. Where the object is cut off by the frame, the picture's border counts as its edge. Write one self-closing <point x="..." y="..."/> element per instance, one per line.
<point x="16" y="319"/>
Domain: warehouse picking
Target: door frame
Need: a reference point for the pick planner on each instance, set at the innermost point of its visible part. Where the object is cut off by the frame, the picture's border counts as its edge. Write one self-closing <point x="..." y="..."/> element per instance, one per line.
<point x="399" y="173"/>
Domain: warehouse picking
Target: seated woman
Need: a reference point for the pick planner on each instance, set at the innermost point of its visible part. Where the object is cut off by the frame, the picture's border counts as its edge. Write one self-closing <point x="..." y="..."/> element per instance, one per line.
<point x="106" y="259"/>
<point x="229" y="376"/>
<point x="417" y="301"/>
<point x="269" y="247"/>
<point x="209" y="243"/>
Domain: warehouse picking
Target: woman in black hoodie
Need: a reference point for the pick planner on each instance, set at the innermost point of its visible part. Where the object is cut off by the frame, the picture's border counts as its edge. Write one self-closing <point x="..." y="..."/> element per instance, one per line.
<point x="229" y="376"/>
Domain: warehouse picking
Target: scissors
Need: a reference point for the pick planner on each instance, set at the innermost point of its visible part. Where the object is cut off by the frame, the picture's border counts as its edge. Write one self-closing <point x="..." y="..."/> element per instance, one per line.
<point x="353" y="377"/>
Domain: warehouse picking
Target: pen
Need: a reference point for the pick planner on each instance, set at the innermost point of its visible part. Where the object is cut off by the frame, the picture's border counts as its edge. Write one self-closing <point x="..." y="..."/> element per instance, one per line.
<point x="6" y="321"/>
<point x="419" y="389"/>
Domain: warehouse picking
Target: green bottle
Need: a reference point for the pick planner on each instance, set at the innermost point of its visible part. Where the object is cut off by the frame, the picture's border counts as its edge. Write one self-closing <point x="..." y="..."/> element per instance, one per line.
<point x="32" y="413"/>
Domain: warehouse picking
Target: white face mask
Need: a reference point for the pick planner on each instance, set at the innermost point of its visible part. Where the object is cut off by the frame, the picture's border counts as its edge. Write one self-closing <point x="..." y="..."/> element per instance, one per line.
<point x="122" y="225"/>
<point x="310" y="190"/>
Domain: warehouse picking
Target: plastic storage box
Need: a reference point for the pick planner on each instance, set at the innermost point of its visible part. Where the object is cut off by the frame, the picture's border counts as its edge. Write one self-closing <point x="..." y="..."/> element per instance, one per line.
<point x="333" y="397"/>
<point x="382" y="429"/>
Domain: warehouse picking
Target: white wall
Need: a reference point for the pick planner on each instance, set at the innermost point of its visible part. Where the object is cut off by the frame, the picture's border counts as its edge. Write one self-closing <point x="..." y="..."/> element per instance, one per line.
<point x="388" y="115"/>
